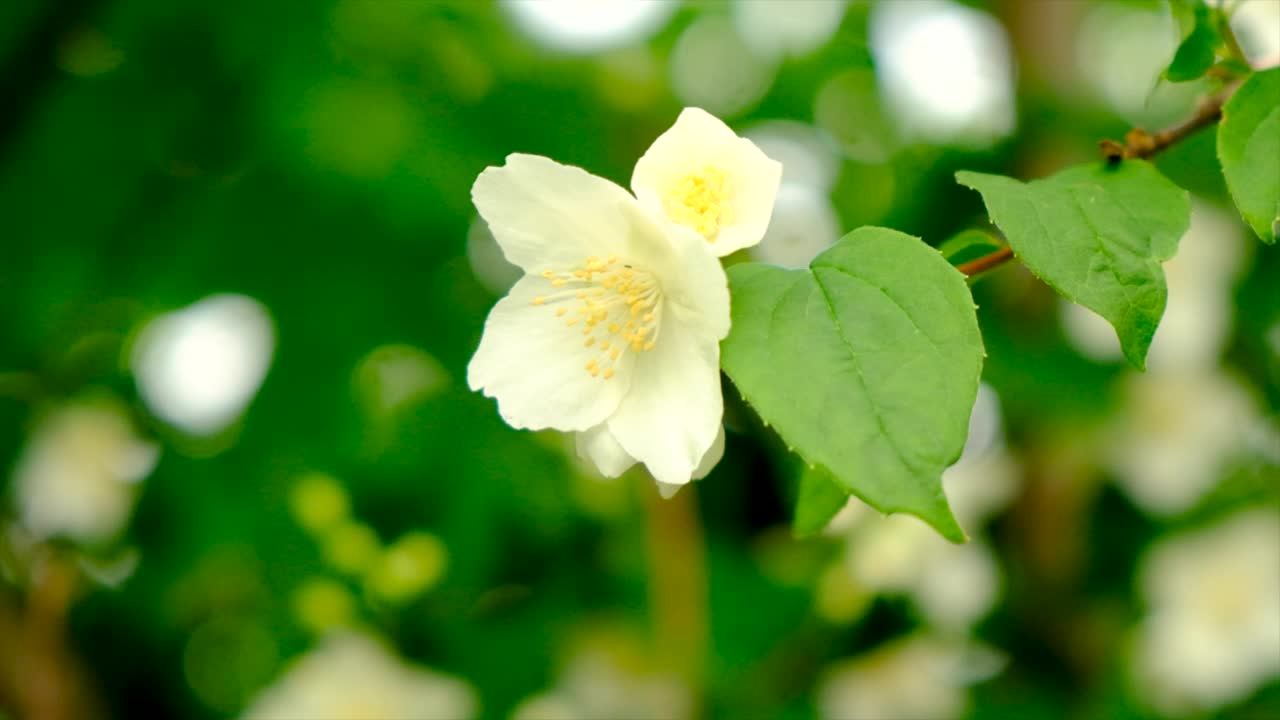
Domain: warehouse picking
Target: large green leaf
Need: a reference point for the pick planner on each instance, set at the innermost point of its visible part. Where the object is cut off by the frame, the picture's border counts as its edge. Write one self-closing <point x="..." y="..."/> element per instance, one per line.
<point x="867" y="364"/>
<point x="1249" y="148"/>
<point x="1097" y="234"/>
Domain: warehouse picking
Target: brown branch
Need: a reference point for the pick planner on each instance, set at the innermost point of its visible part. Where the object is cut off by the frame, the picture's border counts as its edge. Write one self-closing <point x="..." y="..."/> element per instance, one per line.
<point x="1138" y="144"/>
<point x="1141" y="144"/>
<point x="677" y="582"/>
<point x="986" y="262"/>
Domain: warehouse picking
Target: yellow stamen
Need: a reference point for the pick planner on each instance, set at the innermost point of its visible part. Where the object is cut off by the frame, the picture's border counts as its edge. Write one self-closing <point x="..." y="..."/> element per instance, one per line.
<point x="701" y="200"/>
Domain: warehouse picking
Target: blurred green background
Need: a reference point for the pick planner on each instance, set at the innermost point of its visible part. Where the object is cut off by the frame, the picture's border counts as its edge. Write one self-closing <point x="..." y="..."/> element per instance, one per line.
<point x="241" y="473"/>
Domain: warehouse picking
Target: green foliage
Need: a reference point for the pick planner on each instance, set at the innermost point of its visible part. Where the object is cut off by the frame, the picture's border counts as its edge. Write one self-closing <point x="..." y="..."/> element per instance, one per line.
<point x="1097" y="234"/>
<point x="1249" y="148"/>
<point x="969" y="245"/>
<point x="1200" y="40"/>
<point x="819" y="499"/>
<point x="890" y="329"/>
<point x="318" y="158"/>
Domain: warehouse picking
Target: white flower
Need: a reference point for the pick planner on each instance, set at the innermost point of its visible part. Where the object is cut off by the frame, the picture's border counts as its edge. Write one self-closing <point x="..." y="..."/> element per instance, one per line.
<point x="796" y="28"/>
<point x="606" y="678"/>
<point x="952" y="586"/>
<point x="915" y="677"/>
<point x="1177" y="434"/>
<point x="353" y="677"/>
<point x="78" y="475"/>
<point x="804" y="224"/>
<point x="701" y="175"/>
<point x="613" y="331"/>
<point x="200" y="367"/>
<point x="1212" y="635"/>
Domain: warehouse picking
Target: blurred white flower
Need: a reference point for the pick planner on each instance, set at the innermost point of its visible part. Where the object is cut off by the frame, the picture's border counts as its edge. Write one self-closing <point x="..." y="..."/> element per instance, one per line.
<point x="946" y="70"/>
<point x="1257" y="25"/>
<point x="199" y="367"/>
<point x="614" y="330"/>
<point x="1212" y="632"/>
<point x="586" y="26"/>
<point x="916" y="677"/>
<point x="804" y="224"/>
<point x="795" y="27"/>
<point x="809" y="156"/>
<point x="1176" y="434"/>
<point x="952" y="586"/>
<point x="606" y="679"/>
<point x="393" y="377"/>
<point x="78" y="476"/>
<point x="353" y="677"/>
<point x="712" y="67"/>
<point x="701" y="175"/>
<point x="1121" y="49"/>
<point x="985" y="478"/>
<point x="486" y="259"/>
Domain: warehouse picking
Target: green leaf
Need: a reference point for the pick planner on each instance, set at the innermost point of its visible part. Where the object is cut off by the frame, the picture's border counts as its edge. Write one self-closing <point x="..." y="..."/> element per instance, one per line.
<point x="867" y="364"/>
<point x="820" y="498"/>
<point x="968" y="245"/>
<point x="1197" y="52"/>
<point x="1249" y="148"/>
<point x="1097" y="234"/>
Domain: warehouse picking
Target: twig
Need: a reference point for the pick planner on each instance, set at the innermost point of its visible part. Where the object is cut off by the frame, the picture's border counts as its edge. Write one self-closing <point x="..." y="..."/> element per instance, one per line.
<point x="986" y="262"/>
<point x="1138" y="144"/>
<point x="1141" y="144"/>
<point x="1228" y="35"/>
<point x="677" y="582"/>
<point x="50" y="685"/>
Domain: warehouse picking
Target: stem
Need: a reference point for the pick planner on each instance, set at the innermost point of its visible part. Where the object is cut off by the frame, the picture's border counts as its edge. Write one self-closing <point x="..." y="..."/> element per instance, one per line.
<point x="677" y="582"/>
<point x="986" y="262"/>
<point x="1234" y="51"/>
<point x="1138" y="144"/>
<point x="1141" y="144"/>
<point x="48" y="686"/>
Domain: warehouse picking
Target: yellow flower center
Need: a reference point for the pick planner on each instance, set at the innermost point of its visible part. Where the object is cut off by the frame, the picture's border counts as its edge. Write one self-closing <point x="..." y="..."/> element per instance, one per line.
<point x="618" y="307"/>
<point x="700" y="200"/>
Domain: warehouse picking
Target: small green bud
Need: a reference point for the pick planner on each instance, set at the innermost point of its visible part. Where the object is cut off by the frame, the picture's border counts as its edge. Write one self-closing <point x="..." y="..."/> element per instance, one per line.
<point x="409" y="567"/>
<point x="320" y="604"/>
<point x="351" y="547"/>
<point x="318" y="502"/>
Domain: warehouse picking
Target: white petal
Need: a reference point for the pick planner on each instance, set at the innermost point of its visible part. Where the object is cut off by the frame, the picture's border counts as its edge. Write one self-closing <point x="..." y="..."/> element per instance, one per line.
<point x="600" y="447"/>
<point x="758" y="180"/>
<point x="694" y="286"/>
<point x="712" y="458"/>
<point x="670" y="417"/>
<point x="699" y="140"/>
<point x="544" y="214"/>
<point x="668" y="490"/>
<point x="534" y="365"/>
<point x="716" y="451"/>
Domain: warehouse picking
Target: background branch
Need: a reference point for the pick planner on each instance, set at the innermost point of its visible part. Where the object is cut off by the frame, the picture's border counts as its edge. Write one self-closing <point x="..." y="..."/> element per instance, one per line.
<point x="677" y="583"/>
<point x="1139" y="144"/>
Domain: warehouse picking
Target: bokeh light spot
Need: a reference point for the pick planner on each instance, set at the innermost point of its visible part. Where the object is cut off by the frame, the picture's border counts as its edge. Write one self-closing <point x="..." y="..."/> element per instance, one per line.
<point x="945" y="69"/>
<point x="198" y="368"/>
<point x="319" y="502"/>
<point x="586" y="26"/>
<point x="712" y="68"/>
<point x="321" y="604"/>
<point x="409" y="567"/>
